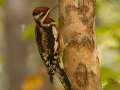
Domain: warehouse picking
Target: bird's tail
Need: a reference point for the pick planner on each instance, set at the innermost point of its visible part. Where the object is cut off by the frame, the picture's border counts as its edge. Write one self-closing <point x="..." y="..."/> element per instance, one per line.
<point x="51" y="74"/>
<point x="64" y="79"/>
<point x="51" y="78"/>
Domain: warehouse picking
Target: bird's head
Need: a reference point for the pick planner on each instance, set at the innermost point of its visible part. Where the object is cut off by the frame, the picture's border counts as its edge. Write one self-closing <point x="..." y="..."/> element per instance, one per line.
<point x="40" y="12"/>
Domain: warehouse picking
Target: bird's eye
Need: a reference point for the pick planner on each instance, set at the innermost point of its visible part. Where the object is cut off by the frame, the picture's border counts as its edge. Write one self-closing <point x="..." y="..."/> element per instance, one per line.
<point x="35" y="14"/>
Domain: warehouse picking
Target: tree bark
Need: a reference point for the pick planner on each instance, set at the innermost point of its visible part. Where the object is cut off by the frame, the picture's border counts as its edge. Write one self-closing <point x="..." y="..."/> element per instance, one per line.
<point x="77" y="20"/>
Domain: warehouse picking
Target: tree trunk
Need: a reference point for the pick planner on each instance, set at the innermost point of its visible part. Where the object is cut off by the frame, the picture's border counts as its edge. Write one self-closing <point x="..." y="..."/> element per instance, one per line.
<point x="77" y="20"/>
<point x="16" y="51"/>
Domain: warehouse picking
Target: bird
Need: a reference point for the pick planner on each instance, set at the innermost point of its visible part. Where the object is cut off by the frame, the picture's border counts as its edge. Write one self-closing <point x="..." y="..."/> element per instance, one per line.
<point x="50" y="45"/>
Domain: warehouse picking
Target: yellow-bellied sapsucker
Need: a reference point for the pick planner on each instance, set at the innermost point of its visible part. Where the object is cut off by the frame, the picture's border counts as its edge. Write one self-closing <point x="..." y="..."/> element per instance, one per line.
<point x="50" y="45"/>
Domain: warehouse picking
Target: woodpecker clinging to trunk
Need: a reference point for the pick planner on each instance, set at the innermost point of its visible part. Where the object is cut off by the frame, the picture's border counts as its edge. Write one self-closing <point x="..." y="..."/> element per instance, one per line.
<point x="50" y="44"/>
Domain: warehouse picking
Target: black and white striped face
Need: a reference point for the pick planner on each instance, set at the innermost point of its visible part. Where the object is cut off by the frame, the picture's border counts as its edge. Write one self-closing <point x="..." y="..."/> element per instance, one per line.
<point x="38" y="16"/>
<point x="39" y="12"/>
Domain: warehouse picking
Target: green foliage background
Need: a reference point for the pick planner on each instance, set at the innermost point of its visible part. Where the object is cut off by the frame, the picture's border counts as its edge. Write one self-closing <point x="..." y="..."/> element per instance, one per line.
<point x="108" y="40"/>
<point x="2" y="2"/>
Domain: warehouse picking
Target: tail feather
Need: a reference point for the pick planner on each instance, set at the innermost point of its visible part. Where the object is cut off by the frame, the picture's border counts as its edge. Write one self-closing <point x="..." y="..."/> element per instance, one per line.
<point x="64" y="79"/>
<point x="51" y="74"/>
<point x="51" y="78"/>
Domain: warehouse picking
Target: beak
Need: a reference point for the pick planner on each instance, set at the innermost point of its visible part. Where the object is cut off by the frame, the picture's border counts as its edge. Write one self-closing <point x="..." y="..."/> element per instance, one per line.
<point x="51" y="9"/>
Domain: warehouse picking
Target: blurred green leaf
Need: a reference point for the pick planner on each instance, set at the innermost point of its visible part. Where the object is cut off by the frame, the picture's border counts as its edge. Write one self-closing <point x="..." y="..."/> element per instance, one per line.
<point x="28" y="33"/>
<point x="118" y="58"/>
<point x="116" y="35"/>
<point x="108" y="73"/>
<point x="101" y="30"/>
<point x="112" y="85"/>
<point x="1" y="2"/>
<point x="112" y="43"/>
<point x="98" y="4"/>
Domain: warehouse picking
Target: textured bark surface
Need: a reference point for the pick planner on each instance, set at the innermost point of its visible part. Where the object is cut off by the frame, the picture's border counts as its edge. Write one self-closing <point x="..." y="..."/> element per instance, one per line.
<point x="77" y="19"/>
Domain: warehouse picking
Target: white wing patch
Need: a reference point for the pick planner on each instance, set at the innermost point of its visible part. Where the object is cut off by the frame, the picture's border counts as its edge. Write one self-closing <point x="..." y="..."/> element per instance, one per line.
<point x="56" y="46"/>
<point x="61" y="63"/>
<point x="55" y="32"/>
